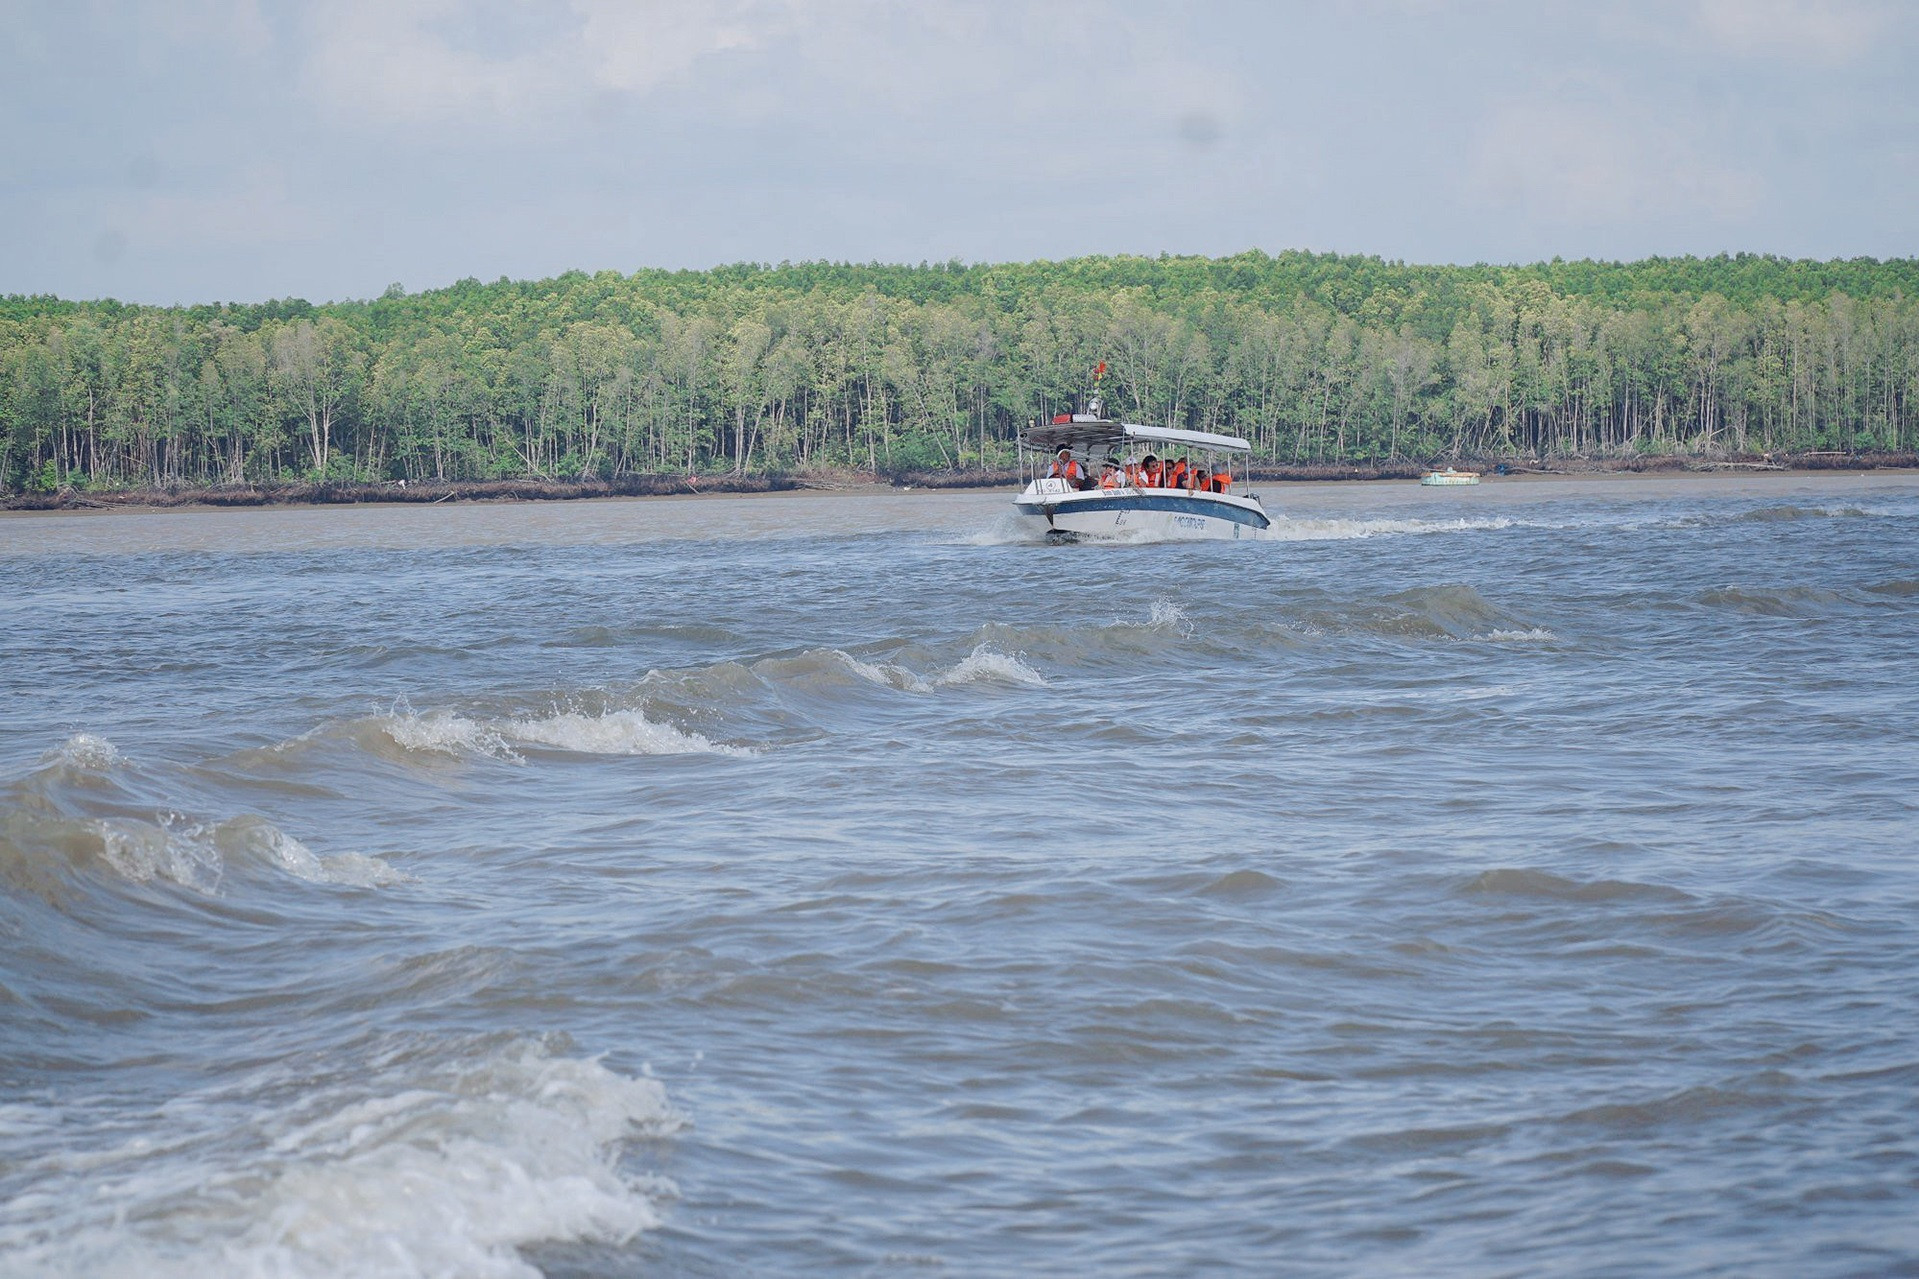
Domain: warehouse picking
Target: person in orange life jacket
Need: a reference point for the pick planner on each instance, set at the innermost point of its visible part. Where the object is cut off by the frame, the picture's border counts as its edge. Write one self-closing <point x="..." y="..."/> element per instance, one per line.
<point x="1109" y="476"/>
<point x="1130" y="473"/>
<point x="1065" y="468"/>
<point x="1200" y="480"/>
<point x="1221" y="481"/>
<point x="1176" y="478"/>
<point x="1150" y="474"/>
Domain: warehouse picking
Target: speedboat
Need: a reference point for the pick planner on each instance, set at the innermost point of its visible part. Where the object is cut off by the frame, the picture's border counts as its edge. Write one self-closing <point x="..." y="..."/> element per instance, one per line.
<point x="1120" y="487"/>
<point x="1448" y="477"/>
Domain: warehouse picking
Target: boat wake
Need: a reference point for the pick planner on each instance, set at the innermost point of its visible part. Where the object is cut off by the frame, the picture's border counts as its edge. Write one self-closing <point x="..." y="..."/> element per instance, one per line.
<point x="1288" y="529"/>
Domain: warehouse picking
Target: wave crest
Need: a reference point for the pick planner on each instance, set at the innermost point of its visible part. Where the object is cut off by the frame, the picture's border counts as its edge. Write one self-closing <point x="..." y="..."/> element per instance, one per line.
<point x="611" y="732"/>
<point x="984" y="664"/>
<point x="175" y="849"/>
<point x="83" y="751"/>
<point x="419" y="1172"/>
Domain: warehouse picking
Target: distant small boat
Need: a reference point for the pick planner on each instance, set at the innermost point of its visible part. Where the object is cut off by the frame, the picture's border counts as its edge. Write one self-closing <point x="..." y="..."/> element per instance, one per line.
<point x="1435" y="479"/>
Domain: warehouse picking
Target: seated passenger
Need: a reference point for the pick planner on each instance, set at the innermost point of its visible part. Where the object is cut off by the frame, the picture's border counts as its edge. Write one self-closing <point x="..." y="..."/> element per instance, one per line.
<point x="1065" y="468"/>
<point x="1201" y="480"/>
<point x="1109" y="476"/>
<point x="1221" y="481"/>
<point x="1149" y="472"/>
<point x="1176" y="478"/>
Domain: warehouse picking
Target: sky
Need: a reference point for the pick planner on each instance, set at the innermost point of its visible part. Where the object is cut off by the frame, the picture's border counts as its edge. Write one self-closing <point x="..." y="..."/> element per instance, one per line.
<point x="205" y="150"/>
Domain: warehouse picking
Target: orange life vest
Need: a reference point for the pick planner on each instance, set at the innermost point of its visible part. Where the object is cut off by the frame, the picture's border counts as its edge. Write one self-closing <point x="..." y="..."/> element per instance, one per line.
<point x="1177" y="480"/>
<point x="1109" y="479"/>
<point x="1221" y="481"/>
<point x="1067" y="470"/>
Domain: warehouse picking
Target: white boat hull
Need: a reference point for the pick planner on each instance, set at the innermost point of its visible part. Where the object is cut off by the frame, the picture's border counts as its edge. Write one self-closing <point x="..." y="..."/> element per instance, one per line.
<point x="1141" y="515"/>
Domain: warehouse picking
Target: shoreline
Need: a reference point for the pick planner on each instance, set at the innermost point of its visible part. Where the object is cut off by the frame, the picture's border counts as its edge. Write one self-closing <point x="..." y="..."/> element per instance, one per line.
<point x="829" y="481"/>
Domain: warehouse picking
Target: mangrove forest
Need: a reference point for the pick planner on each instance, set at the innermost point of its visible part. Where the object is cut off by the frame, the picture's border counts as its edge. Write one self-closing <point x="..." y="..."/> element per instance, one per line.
<point x="759" y="369"/>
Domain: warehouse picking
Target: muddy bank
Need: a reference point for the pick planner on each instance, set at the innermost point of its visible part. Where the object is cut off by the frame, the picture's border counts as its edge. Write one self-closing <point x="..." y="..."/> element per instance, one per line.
<point x="541" y="490"/>
<point x="421" y="492"/>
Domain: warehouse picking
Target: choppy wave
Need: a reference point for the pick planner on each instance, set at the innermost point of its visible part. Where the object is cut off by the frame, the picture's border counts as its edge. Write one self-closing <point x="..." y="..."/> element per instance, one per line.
<point x="47" y="833"/>
<point x="609" y="732"/>
<point x="192" y="854"/>
<point x="446" y="1168"/>
<point x="611" y="723"/>
<point x="83" y="750"/>
<point x="983" y="665"/>
<point x="1513" y="881"/>
<point x="1781" y="514"/>
<point x="1288" y="528"/>
<point x="1788" y="601"/>
<point x="1443" y="611"/>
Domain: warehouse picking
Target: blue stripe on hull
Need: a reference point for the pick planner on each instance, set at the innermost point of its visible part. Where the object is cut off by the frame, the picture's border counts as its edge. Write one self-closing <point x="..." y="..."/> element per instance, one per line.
<point x="1168" y="502"/>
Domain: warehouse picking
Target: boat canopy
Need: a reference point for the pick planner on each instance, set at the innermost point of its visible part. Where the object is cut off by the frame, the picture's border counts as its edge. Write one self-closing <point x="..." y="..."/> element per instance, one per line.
<point x="1083" y="433"/>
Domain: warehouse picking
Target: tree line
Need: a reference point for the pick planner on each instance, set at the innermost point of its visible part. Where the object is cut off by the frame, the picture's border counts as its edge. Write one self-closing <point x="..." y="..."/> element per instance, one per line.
<point x="1313" y="357"/>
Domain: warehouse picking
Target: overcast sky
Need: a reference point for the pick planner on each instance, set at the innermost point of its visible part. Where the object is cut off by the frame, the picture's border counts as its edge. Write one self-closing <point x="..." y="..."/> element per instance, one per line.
<point x="201" y="150"/>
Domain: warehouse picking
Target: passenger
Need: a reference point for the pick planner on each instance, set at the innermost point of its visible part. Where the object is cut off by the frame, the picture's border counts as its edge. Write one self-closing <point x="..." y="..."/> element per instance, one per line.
<point x="1176" y="478"/>
<point x="1221" y="481"/>
<point x="1065" y="468"/>
<point x="1150" y="475"/>
<point x="1109" y="476"/>
<point x="1202" y="480"/>
<point x="1132" y="473"/>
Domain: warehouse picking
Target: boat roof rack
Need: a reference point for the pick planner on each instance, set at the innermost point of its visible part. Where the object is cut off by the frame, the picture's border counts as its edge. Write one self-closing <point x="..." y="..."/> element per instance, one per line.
<point x="1083" y="433"/>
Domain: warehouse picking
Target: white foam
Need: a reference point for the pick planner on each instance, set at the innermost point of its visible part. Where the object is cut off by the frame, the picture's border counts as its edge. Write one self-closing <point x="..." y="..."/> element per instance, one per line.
<point x="986" y="665"/>
<point x="1288" y="529"/>
<point x="1168" y="616"/>
<point x="625" y="732"/>
<point x="1007" y="529"/>
<point x="1165" y="615"/>
<point x="277" y="848"/>
<point x="614" y="732"/>
<point x="181" y="853"/>
<point x="1532" y="635"/>
<point x="197" y="855"/>
<point x="982" y="665"/>
<point x="886" y="674"/>
<point x="443" y="732"/>
<point x="446" y="1172"/>
<point x="83" y="750"/>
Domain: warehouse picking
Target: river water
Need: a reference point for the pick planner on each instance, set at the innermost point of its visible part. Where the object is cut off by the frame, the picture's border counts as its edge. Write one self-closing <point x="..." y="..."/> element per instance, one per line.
<point x="1518" y="880"/>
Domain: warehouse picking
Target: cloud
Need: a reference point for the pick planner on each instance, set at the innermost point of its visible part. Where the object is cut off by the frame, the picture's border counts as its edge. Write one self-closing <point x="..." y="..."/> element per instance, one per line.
<point x="465" y="64"/>
<point x="494" y="70"/>
<point x="1588" y="165"/>
<point x="1829" y="31"/>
